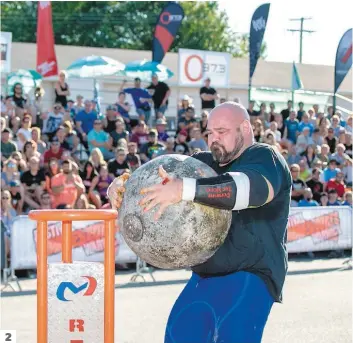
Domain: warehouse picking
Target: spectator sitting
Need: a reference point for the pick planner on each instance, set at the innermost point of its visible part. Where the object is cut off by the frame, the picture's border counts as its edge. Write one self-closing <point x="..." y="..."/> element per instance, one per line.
<point x="36" y="137"/>
<point x="9" y="173"/>
<point x="169" y="147"/>
<point x="337" y="184"/>
<point x="104" y="180"/>
<point x="335" y="125"/>
<point x="317" y="139"/>
<point x="20" y="162"/>
<point x="97" y="138"/>
<point x="180" y="147"/>
<point x="323" y="199"/>
<point x="304" y="140"/>
<point x="197" y="141"/>
<point x="119" y="132"/>
<point x="188" y="121"/>
<point x="307" y="201"/>
<point x="45" y="201"/>
<point x="348" y="172"/>
<point x="203" y="124"/>
<point x="119" y="165"/>
<point x="332" y="198"/>
<point x="304" y="170"/>
<point x="83" y="204"/>
<point x="7" y="145"/>
<point x="140" y="136"/>
<point x="53" y="169"/>
<point x="78" y="106"/>
<point x="258" y="130"/>
<point x="132" y="158"/>
<point x="30" y="150"/>
<point x="69" y="134"/>
<point x="66" y="186"/>
<point x="153" y="146"/>
<point x="347" y="199"/>
<point x="298" y="185"/>
<point x="291" y="128"/>
<point x="55" y="151"/>
<point x="331" y="171"/>
<point x="160" y="126"/>
<point x="78" y="151"/>
<point x="271" y="140"/>
<point x="293" y="156"/>
<point x="349" y="124"/>
<point x="305" y="123"/>
<point x="339" y="156"/>
<point x="315" y="184"/>
<point x="331" y="140"/>
<point x="309" y="155"/>
<point x="324" y="153"/>
<point x="24" y="134"/>
<point x="89" y="177"/>
<point x="110" y="118"/>
<point x="123" y="108"/>
<point x="97" y="159"/>
<point x="85" y="120"/>
<point x="273" y="127"/>
<point x="53" y="120"/>
<point x="17" y="195"/>
<point x="61" y="135"/>
<point x="348" y="144"/>
<point x="33" y="181"/>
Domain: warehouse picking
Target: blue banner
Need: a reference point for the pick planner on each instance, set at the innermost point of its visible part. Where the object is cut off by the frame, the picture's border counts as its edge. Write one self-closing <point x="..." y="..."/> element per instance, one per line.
<point x="343" y="58"/>
<point x="257" y="31"/>
<point x="167" y="27"/>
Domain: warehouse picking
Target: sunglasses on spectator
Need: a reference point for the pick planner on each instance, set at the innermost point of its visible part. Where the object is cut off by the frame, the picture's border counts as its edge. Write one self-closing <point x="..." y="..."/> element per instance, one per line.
<point x="11" y="165"/>
<point x="57" y="107"/>
<point x="97" y="123"/>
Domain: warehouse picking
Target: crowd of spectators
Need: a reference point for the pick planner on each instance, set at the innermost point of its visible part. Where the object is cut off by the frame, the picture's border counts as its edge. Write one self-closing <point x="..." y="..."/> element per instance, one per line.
<point x="66" y="156"/>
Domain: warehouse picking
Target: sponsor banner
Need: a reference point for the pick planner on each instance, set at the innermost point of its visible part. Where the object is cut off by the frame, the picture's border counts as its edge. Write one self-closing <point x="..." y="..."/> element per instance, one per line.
<point x="196" y="65"/>
<point x="87" y="238"/>
<point x="5" y="41"/>
<point x="319" y="229"/>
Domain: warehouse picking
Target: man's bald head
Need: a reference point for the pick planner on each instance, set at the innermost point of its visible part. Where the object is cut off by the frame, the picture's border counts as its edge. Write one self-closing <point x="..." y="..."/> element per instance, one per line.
<point x="229" y="131"/>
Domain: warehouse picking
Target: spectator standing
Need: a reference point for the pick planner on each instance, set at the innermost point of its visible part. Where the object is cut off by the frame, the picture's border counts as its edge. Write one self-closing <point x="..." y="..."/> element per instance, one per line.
<point x="272" y="112"/>
<point x="66" y="186"/>
<point x="160" y="93"/>
<point x="286" y="112"/>
<point x="52" y="120"/>
<point x="315" y="184"/>
<point x="298" y="186"/>
<point x="119" y="165"/>
<point x="97" y="138"/>
<point x="110" y="119"/>
<point x="141" y="98"/>
<point x="78" y="106"/>
<point x="18" y="99"/>
<point x="62" y="90"/>
<point x="133" y="158"/>
<point x="150" y="148"/>
<point x="291" y="130"/>
<point x="301" y="111"/>
<point x="308" y="201"/>
<point x="8" y="213"/>
<point x="203" y="124"/>
<point x="8" y="146"/>
<point x="208" y="96"/>
<point x="305" y="123"/>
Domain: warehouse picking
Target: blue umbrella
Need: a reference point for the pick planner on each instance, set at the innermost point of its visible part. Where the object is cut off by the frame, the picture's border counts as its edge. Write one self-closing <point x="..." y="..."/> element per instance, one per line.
<point x="27" y="78"/>
<point x="94" y="66"/>
<point x="144" y="70"/>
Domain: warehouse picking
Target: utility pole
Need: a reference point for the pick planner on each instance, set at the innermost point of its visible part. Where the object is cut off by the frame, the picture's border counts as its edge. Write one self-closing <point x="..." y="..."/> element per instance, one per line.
<point x="301" y="31"/>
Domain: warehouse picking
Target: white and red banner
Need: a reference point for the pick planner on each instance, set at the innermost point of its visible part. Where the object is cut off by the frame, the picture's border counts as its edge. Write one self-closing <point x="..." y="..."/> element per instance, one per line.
<point x="87" y="238"/>
<point x="46" y="58"/>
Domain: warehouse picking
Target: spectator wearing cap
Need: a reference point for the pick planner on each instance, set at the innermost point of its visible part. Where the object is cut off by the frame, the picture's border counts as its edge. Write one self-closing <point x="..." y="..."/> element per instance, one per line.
<point x="185" y="102"/>
<point x="180" y="146"/>
<point x="197" y="142"/>
<point x="123" y="108"/>
<point x="97" y="138"/>
<point x="119" y="132"/>
<point x="141" y="98"/>
<point x="160" y="93"/>
<point x="339" y="155"/>
<point x="33" y="182"/>
<point x="24" y="134"/>
<point x="347" y="199"/>
<point x="333" y="198"/>
<point x="331" y="140"/>
<point x="188" y="121"/>
<point x="36" y="137"/>
<point x="8" y="146"/>
<point x="52" y="120"/>
<point x="304" y="140"/>
<point x="305" y="123"/>
<point x="119" y="165"/>
<point x="110" y="119"/>
<point x="85" y="120"/>
<point x="314" y="183"/>
<point x="331" y="170"/>
<point x="160" y="127"/>
<point x="55" y="150"/>
<point x="291" y="130"/>
<point x="140" y="135"/>
<point x="132" y="157"/>
<point x="337" y="183"/>
<point x="208" y="95"/>
<point x="66" y="186"/>
<point x="298" y="185"/>
<point x="308" y="201"/>
<point x="150" y="148"/>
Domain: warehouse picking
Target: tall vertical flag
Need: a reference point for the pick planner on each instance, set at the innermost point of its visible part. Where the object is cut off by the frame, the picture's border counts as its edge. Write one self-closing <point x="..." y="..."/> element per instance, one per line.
<point x="46" y="58"/>
<point x="257" y="31"/>
<point x="167" y="27"/>
<point x="296" y="81"/>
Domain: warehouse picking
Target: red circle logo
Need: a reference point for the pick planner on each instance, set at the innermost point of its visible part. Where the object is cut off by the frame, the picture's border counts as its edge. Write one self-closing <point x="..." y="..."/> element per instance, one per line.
<point x="165" y="18"/>
<point x="186" y="68"/>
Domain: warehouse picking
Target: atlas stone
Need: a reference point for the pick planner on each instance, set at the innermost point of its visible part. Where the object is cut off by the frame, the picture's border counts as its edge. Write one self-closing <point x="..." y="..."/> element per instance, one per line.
<point x="187" y="234"/>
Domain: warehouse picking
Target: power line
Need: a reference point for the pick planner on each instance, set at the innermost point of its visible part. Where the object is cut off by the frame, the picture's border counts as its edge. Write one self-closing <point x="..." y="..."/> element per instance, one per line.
<point x="301" y="31"/>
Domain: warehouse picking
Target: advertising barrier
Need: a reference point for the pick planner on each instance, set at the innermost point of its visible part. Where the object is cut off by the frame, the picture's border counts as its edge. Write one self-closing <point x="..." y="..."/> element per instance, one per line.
<point x="87" y="239"/>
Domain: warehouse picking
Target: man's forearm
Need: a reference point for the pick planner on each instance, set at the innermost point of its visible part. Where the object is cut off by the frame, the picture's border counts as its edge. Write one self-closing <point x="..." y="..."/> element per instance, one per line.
<point x="230" y="191"/>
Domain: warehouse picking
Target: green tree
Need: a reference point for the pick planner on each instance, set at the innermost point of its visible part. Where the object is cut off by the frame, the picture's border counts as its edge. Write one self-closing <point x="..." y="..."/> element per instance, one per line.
<point x="125" y="25"/>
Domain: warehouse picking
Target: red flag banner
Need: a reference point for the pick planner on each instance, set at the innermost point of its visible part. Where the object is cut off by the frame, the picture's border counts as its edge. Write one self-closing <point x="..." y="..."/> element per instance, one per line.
<point x="46" y="58"/>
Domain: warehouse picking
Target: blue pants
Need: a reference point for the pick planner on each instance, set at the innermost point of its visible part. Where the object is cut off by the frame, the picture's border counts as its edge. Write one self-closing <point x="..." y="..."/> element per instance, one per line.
<point x="226" y="309"/>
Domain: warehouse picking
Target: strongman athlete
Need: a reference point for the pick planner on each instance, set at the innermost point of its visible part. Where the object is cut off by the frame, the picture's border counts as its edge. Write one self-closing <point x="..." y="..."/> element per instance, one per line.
<point x="229" y="297"/>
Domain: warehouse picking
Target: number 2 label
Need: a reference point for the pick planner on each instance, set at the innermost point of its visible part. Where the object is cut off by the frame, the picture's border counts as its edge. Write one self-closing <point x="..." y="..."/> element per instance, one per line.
<point x="8" y="336"/>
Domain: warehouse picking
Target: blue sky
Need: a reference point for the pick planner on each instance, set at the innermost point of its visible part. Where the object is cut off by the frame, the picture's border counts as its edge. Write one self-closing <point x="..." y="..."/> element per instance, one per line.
<point x="329" y="20"/>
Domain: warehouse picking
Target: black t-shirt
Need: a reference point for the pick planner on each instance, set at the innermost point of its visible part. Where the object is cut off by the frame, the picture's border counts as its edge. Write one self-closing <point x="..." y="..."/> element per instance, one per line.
<point x="257" y="236"/>
<point x="348" y="150"/>
<point x="211" y="103"/>
<point x="316" y="187"/>
<point x="253" y="113"/>
<point x="285" y="114"/>
<point x="19" y="101"/>
<point x="110" y="125"/>
<point x="160" y="90"/>
<point x="116" y="168"/>
<point x="116" y="136"/>
<point x="332" y="144"/>
<point x="15" y="199"/>
<point x="87" y="179"/>
<point x="296" y="186"/>
<point x="33" y="180"/>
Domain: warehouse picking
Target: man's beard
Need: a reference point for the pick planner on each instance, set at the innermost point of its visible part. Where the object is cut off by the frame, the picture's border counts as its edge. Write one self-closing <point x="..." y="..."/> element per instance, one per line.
<point x="222" y="156"/>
